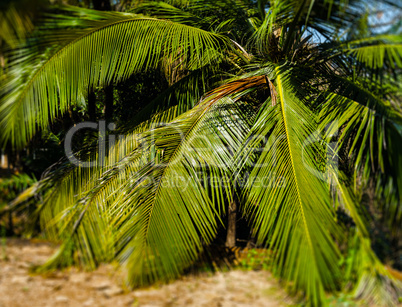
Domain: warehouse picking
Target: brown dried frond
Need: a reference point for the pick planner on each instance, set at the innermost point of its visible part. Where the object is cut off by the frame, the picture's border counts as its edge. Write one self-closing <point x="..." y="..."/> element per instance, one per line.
<point x="238" y="86"/>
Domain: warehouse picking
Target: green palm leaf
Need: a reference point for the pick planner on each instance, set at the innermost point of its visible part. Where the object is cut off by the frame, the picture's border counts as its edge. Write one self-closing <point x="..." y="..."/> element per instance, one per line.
<point x="285" y="215"/>
<point x="111" y="48"/>
<point x="369" y="135"/>
<point x="377" y="50"/>
<point x="155" y="229"/>
<point x="177" y="210"/>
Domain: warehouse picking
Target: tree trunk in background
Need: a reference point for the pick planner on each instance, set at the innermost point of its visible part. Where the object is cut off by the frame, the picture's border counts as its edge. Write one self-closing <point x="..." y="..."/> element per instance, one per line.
<point x="10" y="224"/>
<point x="108" y="106"/>
<point x="92" y="106"/>
<point x="232" y="217"/>
<point x="102" y="5"/>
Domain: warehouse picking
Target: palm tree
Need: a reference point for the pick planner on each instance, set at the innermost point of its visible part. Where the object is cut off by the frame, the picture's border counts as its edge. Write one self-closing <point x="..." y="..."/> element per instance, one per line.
<point x="291" y="110"/>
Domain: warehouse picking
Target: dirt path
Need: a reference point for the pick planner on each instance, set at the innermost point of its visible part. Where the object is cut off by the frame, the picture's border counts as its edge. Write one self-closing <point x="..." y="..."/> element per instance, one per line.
<point x="100" y="288"/>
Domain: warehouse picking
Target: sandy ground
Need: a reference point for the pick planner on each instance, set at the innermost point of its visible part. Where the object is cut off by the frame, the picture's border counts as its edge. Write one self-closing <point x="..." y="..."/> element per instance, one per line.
<point x="101" y="287"/>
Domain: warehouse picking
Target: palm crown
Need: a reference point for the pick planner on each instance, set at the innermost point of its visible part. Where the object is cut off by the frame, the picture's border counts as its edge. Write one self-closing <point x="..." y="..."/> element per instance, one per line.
<point x="290" y="110"/>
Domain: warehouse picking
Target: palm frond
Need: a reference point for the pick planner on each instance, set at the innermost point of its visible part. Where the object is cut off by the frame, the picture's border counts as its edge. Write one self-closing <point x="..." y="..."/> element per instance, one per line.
<point x="369" y="135"/>
<point x="173" y="165"/>
<point x="64" y="184"/>
<point x="188" y="162"/>
<point x="285" y="216"/>
<point x="111" y="48"/>
<point x="376" y="51"/>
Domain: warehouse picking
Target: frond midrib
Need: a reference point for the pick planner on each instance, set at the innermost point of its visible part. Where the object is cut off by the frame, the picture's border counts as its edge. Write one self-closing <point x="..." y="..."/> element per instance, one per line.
<point x="383" y="45"/>
<point x="278" y="78"/>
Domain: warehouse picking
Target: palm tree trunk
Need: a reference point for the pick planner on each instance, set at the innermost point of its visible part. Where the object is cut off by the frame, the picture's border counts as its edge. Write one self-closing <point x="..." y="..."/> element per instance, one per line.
<point x="232" y="217"/>
<point x="92" y="105"/>
<point x="101" y="5"/>
<point x="10" y="224"/>
<point x="108" y="107"/>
